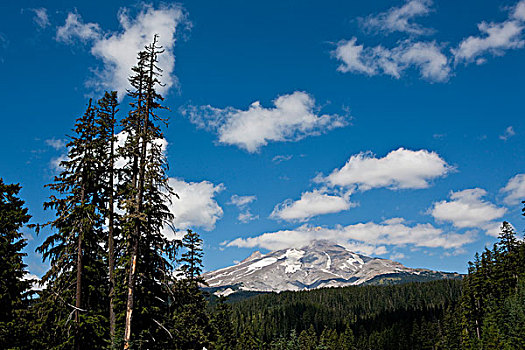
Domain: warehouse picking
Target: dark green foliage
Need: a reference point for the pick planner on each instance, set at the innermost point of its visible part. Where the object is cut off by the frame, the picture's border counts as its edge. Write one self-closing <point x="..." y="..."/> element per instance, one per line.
<point x="191" y="260"/>
<point x="14" y="289"/>
<point x="224" y="338"/>
<point x="384" y="314"/>
<point x="76" y="280"/>
<point x="189" y="318"/>
<point x="490" y="288"/>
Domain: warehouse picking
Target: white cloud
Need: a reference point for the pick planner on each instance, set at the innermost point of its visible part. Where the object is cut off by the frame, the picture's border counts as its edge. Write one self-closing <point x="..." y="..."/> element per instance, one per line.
<point x="293" y="117"/>
<point x="196" y="205"/>
<point x="311" y="204"/>
<point x="399" y="169"/>
<point x="426" y="57"/>
<point x="118" y="50"/>
<point x="75" y="28"/>
<point x="398" y="19"/>
<point x="57" y="144"/>
<point x="281" y="158"/>
<point x="242" y="202"/>
<point x="514" y="190"/>
<point x="368" y="238"/>
<point x="509" y="132"/>
<point x="468" y="209"/>
<point x="494" y="38"/>
<point x="41" y="18"/>
<point x="247" y="216"/>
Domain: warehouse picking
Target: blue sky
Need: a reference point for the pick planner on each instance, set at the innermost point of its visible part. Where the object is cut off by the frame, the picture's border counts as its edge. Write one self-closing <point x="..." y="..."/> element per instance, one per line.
<point x="392" y="127"/>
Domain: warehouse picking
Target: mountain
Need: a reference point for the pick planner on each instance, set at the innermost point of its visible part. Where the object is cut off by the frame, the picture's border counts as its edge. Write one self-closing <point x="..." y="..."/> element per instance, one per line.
<point x="317" y="265"/>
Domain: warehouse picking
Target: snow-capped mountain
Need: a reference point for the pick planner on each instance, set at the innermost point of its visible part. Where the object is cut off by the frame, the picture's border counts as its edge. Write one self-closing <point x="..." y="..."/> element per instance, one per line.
<point x="319" y="264"/>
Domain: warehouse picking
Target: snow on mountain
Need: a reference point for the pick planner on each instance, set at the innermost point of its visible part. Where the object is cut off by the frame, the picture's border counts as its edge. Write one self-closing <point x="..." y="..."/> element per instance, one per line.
<point x="317" y="265"/>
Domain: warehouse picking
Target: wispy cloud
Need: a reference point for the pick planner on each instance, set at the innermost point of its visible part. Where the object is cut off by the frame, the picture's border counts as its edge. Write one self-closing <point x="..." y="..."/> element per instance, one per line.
<point x="494" y="38"/>
<point x="40" y="18"/>
<point x="432" y="59"/>
<point x="57" y="144"/>
<point x="293" y="117"/>
<point x="242" y="203"/>
<point x="508" y="133"/>
<point x="514" y="191"/>
<point x="74" y="28"/>
<point x="399" y="19"/>
<point x="281" y="158"/>
<point x="425" y="57"/>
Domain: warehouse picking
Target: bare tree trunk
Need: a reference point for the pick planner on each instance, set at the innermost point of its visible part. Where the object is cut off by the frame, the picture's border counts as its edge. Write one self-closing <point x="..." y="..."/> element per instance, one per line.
<point x="131" y="287"/>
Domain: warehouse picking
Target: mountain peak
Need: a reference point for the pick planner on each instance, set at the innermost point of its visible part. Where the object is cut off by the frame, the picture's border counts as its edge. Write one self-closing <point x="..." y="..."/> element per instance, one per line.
<point x="321" y="263"/>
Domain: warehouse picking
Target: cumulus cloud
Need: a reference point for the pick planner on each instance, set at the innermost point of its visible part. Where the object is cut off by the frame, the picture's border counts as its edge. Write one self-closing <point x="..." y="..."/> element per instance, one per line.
<point x="494" y="38"/>
<point x="509" y="132"/>
<point x="399" y="19"/>
<point x="242" y="203"/>
<point x="40" y="17"/>
<point x="368" y="238"/>
<point x="196" y="205"/>
<point x="467" y="208"/>
<point x="426" y="57"/>
<point x="293" y="117"/>
<point x="514" y="190"/>
<point x="118" y="50"/>
<point x="399" y="169"/>
<point x="311" y="204"/>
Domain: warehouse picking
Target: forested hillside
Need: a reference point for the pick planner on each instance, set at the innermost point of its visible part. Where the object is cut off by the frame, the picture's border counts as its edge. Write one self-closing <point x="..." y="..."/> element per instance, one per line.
<point x="484" y="311"/>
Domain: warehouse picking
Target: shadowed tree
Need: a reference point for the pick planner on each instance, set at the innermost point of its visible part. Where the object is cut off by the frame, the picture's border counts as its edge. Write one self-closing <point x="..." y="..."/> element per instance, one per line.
<point x="14" y="289"/>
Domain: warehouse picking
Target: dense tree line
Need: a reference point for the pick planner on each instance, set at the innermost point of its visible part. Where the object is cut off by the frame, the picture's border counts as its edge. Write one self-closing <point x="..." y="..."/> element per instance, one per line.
<point x="362" y="317"/>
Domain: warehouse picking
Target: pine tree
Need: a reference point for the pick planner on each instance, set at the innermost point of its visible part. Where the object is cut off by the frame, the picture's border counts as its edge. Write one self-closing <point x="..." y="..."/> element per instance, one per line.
<point x="145" y="194"/>
<point x="13" y="288"/>
<point x="347" y="339"/>
<point x="74" y="249"/>
<point x="222" y="326"/>
<point x="191" y="260"/>
<point x="247" y="340"/>
<point x="188" y="315"/>
<point x="308" y="339"/>
<point x="106" y="155"/>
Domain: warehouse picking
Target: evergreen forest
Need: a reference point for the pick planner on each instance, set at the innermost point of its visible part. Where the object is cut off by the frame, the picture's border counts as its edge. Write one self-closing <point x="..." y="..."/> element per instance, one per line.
<point x="117" y="282"/>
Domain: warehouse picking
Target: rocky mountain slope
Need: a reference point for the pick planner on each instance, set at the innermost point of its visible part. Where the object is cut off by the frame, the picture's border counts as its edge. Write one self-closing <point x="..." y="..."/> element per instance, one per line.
<point x="320" y="264"/>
